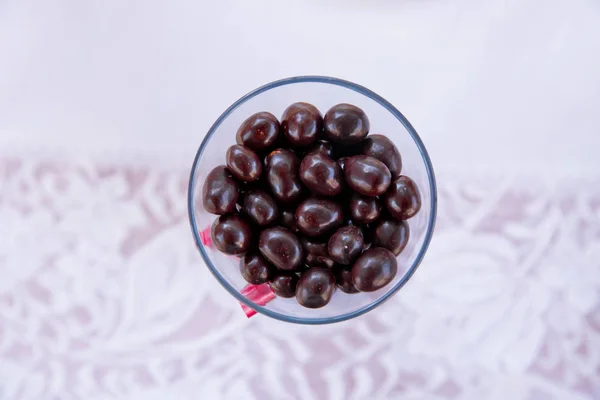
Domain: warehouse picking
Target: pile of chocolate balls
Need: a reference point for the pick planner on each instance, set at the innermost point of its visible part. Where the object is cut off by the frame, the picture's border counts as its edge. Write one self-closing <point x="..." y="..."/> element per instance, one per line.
<point x="312" y="203"/>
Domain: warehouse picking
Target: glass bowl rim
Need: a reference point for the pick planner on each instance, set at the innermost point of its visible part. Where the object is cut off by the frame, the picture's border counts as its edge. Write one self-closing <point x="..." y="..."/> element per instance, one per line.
<point x="430" y="174"/>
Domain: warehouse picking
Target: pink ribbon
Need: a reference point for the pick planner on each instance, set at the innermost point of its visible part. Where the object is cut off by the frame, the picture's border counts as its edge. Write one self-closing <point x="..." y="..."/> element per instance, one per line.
<point x="259" y="294"/>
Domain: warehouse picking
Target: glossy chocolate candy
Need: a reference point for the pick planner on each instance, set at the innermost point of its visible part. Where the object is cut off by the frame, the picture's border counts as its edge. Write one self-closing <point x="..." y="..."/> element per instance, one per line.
<point x="343" y="279"/>
<point x="260" y="207"/>
<point x="282" y="175"/>
<point x="243" y="163"/>
<point x="301" y="124"/>
<point x="259" y="132"/>
<point x="367" y="175"/>
<point x="374" y="269"/>
<point x="365" y="231"/>
<point x="345" y="245"/>
<point x="284" y="284"/>
<point x="318" y="217"/>
<point x="231" y="234"/>
<point x="315" y="253"/>
<point x="382" y="148"/>
<point x="281" y="248"/>
<point x="346" y="124"/>
<point x="220" y="191"/>
<point x="323" y="147"/>
<point x="403" y="199"/>
<point x="315" y="287"/>
<point x="391" y="234"/>
<point x="321" y="174"/>
<point x="255" y="269"/>
<point x="364" y="209"/>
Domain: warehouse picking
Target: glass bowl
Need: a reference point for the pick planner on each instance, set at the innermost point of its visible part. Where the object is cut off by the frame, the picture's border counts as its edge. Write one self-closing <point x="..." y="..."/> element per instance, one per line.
<point x="323" y="92"/>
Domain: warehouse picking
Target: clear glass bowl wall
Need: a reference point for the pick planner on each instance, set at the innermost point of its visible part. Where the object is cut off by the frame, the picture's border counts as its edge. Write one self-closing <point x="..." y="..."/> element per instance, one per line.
<point x="323" y="92"/>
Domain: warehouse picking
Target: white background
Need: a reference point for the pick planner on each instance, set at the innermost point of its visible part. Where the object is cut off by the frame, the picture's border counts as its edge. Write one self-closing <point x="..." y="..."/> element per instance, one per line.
<point x="501" y="84"/>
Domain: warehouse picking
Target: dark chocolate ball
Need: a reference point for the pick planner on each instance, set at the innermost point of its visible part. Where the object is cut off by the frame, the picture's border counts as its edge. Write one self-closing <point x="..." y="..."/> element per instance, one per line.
<point x="403" y="199"/>
<point x="382" y="148"/>
<point x="317" y="217"/>
<point x="302" y="124"/>
<point x="345" y="245"/>
<point x="391" y="234"/>
<point x="220" y="191"/>
<point x="367" y="175"/>
<point x="315" y="287"/>
<point x="322" y="147"/>
<point x="343" y="279"/>
<point x="315" y="253"/>
<point x="321" y="174"/>
<point x="374" y="269"/>
<point x="231" y="234"/>
<point x="255" y="269"/>
<point x="284" y="284"/>
<point x="364" y="209"/>
<point x="244" y="163"/>
<point x="259" y="132"/>
<point x="346" y="124"/>
<point x="281" y="248"/>
<point x="282" y="175"/>
<point x="260" y="207"/>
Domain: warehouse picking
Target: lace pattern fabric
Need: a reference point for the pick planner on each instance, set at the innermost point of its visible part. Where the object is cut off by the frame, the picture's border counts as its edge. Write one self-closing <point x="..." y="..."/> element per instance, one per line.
<point x="104" y="296"/>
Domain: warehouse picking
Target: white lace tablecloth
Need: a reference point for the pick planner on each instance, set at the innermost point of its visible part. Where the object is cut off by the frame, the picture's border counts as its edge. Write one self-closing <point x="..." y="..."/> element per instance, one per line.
<point x="104" y="296"/>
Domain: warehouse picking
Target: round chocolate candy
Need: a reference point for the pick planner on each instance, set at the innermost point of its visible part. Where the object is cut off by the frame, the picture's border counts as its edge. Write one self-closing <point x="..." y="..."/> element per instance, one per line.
<point x="374" y="269"/>
<point x="364" y="209"/>
<point x="244" y="163"/>
<point x="317" y="217"/>
<point x="315" y="287"/>
<point x="346" y="124"/>
<point x="391" y="234"/>
<point x="281" y="248"/>
<point x="220" y="191"/>
<point x="282" y="175"/>
<point x="316" y="253"/>
<point x="403" y="200"/>
<point x="323" y="147"/>
<point x="301" y="124"/>
<point x="365" y="231"/>
<point x="231" y="234"/>
<point x="345" y="245"/>
<point x="343" y="278"/>
<point x="284" y="284"/>
<point x="288" y="220"/>
<point x="367" y="175"/>
<point x="255" y="269"/>
<point x="382" y="148"/>
<point x="259" y="131"/>
<point x="260" y="207"/>
<point x="321" y="174"/>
